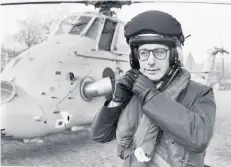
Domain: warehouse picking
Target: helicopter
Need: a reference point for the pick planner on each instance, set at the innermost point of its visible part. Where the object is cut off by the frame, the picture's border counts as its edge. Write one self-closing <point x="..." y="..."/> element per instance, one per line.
<point x="89" y="47"/>
<point x="208" y="75"/>
<point x="46" y="91"/>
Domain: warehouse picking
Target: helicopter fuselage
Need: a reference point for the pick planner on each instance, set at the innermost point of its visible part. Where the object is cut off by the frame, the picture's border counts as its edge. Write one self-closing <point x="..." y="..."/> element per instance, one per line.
<point x="46" y="80"/>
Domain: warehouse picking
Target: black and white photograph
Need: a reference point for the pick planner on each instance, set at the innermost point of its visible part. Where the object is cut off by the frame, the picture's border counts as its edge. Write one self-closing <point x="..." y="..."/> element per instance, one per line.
<point x="107" y="83"/>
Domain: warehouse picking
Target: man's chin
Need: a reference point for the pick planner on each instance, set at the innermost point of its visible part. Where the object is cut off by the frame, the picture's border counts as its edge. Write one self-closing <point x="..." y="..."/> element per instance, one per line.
<point x="153" y="77"/>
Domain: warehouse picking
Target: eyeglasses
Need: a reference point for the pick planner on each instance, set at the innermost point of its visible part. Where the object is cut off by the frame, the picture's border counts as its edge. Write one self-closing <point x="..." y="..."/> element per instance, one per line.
<point x="159" y="53"/>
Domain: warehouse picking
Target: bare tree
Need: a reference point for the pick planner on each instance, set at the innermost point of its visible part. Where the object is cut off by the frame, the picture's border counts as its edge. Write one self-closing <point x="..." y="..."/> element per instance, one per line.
<point x="34" y="31"/>
<point x="30" y="33"/>
<point x="7" y="54"/>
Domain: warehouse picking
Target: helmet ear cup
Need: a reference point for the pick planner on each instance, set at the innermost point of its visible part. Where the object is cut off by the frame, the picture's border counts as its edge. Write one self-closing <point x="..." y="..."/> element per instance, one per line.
<point x="173" y="57"/>
<point x="133" y="59"/>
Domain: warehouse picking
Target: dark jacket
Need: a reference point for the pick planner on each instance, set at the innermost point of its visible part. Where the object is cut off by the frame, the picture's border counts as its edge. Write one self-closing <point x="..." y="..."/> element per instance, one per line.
<point x="187" y="125"/>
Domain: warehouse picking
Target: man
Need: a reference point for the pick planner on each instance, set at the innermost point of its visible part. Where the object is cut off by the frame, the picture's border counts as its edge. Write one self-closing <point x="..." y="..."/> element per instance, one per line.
<point x="159" y="117"/>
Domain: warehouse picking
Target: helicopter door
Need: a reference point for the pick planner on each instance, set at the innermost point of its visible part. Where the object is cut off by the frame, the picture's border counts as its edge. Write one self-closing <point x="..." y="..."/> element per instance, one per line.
<point x="107" y="35"/>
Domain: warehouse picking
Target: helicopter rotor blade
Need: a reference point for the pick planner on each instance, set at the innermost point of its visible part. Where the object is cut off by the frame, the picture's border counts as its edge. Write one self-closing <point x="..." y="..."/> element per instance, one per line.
<point x="14" y="2"/>
<point x="212" y="2"/>
<point x="126" y="2"/>
<point x="222" y="50"/>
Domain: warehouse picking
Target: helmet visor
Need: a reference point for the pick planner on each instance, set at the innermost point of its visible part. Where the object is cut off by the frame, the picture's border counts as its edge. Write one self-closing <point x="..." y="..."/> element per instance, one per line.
<point x="164" y="40"/>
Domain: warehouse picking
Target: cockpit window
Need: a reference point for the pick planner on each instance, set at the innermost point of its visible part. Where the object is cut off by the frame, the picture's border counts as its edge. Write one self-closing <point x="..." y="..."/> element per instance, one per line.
<point x="73" y="25"/>
<point x="94" y="29"/>
<point x="107" y="35"/>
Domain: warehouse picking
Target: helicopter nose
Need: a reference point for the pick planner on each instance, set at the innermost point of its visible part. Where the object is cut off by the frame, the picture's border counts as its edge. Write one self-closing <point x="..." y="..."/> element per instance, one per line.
<point x="8" y="91"/>
<point x="21" y="115"/>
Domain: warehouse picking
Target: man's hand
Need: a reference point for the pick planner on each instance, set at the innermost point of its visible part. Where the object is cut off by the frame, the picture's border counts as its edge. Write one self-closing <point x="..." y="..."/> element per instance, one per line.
<point x="142" y="86"/>
<point x="123" y="87"/>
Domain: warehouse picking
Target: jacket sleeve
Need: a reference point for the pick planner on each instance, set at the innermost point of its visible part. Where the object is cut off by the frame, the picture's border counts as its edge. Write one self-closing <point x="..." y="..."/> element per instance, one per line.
<point x="105" y="122"/>
<point x="191" y="127"/>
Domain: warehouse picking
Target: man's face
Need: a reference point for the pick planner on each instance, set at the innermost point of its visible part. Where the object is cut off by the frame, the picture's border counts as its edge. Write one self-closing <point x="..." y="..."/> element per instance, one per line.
<point x="153" y="64"/>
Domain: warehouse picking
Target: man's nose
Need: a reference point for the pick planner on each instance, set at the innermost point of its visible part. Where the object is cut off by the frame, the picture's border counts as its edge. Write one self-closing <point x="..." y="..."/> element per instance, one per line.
<point x="151" y="59"/>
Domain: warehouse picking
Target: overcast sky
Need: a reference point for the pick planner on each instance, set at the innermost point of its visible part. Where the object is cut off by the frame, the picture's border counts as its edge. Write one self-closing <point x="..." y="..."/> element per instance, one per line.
<point x="209" y="25"/>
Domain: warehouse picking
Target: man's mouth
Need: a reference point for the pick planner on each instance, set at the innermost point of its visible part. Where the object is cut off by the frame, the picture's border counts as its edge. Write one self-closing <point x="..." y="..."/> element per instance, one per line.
<point x="152" y="70"/>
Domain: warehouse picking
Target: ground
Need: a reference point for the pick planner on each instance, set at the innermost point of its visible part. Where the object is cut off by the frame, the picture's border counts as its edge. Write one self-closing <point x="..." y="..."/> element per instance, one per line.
<point x="219" y="151"/>
<point x="77" y="149"/>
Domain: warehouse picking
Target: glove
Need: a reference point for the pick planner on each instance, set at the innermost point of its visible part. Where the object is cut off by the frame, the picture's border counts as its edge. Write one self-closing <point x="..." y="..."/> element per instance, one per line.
<point x="140" y="155"/>
<point x="142" y="86"/>
<point x="123" y="87"/>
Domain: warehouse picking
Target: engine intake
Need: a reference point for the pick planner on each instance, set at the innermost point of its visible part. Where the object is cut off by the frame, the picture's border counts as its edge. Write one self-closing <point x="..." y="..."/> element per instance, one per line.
<point x="90" y="88"/>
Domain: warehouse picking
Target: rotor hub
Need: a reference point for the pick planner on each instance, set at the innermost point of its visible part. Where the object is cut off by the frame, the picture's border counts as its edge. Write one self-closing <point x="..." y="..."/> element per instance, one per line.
<point x="105" y="6"/>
